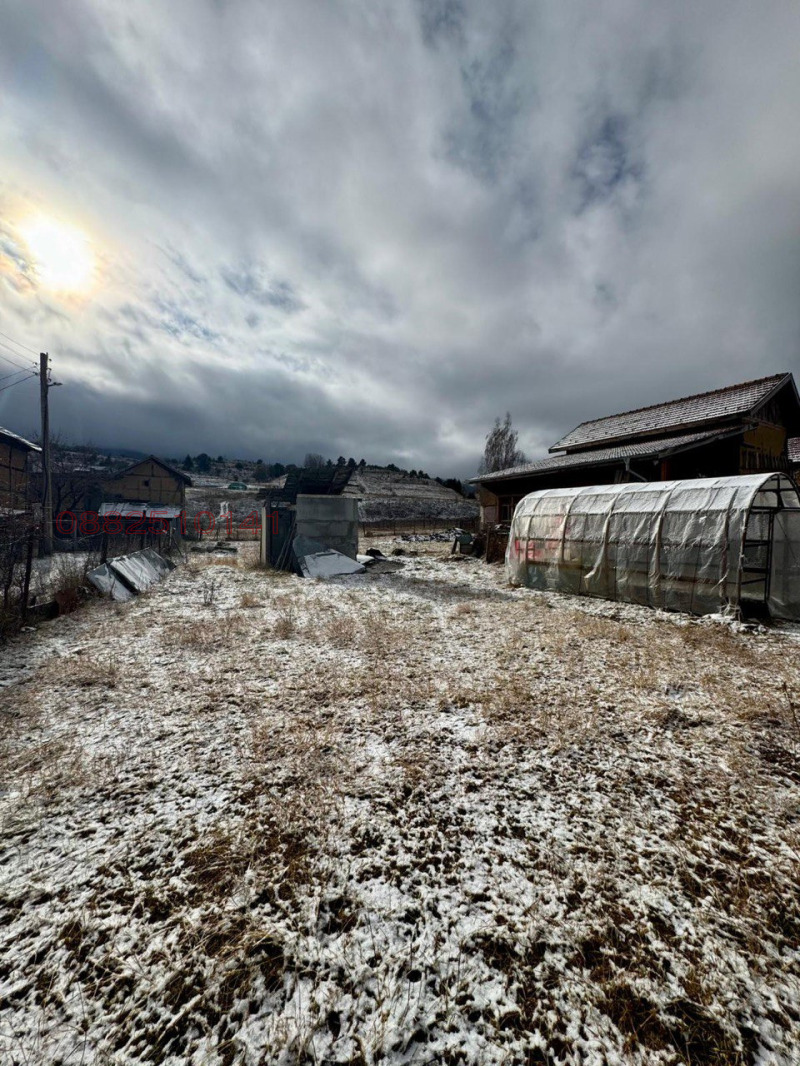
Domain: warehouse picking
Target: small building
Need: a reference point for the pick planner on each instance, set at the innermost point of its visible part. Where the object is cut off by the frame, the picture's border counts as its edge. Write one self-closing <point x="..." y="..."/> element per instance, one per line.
<point x="150" y="481"/>
<point x="309" y="504"/>
<point x="14" y="474"/>
<point x="749" y="428"/>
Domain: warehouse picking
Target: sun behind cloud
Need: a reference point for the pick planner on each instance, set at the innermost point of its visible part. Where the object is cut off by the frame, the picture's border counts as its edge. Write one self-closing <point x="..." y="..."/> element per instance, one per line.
<point x="62" y="255"/>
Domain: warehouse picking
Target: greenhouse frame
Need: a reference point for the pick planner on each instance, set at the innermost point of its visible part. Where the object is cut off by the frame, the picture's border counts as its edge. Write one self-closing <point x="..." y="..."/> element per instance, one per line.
<point x="700" y="546"/>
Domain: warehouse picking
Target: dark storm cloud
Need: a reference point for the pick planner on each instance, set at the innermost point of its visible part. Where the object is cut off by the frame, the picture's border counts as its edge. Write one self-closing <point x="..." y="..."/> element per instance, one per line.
<point x="369" y="229"/>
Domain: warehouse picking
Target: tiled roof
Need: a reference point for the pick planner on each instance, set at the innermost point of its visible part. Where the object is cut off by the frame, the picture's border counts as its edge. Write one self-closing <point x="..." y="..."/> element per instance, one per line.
<point x="793" y="449"/>
<point x="649" y="449"/>
<point x="688" y="412"/>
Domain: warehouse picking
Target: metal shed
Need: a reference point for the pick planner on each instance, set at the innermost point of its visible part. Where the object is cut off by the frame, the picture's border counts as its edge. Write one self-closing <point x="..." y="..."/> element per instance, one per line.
<point x="696" y="546"/>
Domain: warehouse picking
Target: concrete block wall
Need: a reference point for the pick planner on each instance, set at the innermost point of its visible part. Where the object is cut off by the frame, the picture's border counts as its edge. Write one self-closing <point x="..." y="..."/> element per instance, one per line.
<point x="332" y="520"/>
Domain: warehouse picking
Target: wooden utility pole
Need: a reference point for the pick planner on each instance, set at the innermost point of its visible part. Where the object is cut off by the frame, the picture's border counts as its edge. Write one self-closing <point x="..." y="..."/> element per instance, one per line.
<point x="47" y="485"/>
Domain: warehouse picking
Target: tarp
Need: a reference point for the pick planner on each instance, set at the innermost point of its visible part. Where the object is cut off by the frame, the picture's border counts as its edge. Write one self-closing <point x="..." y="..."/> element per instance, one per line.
<point x="694" y="546"/>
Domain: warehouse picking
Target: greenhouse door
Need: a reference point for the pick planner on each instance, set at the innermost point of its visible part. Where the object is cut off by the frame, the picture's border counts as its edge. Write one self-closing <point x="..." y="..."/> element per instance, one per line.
<point x="784" y="585"/>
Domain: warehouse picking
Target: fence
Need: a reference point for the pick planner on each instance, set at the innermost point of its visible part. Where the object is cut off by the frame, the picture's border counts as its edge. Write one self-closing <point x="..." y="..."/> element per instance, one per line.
<point x="396" y="527"/>
<point x="18" y="537"/>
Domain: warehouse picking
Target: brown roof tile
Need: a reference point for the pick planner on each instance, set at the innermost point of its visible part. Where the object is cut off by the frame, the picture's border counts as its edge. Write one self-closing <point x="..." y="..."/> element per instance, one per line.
<point x="688" y="412"/>
<point x="635" y="450"/>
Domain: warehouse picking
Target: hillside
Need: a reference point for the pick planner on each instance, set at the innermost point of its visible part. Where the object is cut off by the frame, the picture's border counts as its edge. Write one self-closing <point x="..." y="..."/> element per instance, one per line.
<point x="395" y="495"/>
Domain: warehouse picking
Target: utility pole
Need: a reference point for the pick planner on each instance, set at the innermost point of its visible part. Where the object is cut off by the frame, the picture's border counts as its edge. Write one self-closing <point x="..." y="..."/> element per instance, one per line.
<point x="47" y="484"/>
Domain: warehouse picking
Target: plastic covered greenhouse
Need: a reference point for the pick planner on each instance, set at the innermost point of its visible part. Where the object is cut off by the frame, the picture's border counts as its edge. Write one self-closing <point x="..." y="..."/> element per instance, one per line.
<point x="697" y="546"/>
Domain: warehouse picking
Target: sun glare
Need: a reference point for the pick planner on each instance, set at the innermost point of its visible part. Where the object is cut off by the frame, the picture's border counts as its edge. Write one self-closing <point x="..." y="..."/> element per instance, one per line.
<point x="62" y="255"/>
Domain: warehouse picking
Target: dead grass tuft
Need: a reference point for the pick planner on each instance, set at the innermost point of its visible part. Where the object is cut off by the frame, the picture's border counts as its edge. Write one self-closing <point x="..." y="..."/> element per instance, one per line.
<point x="86" y="671"/>
<point x="187" y="634"/>
<point x="286" y="623"/>
<point x="247" y="599"/>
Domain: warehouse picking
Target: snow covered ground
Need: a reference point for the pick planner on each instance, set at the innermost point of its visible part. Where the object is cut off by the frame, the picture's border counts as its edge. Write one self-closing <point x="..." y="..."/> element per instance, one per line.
<point x="406" y="818"/>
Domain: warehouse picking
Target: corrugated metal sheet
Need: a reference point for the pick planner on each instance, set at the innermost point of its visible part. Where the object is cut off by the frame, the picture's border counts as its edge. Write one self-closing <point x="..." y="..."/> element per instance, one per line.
<point x="140" y="510"/>
<point x="688" y="411"/>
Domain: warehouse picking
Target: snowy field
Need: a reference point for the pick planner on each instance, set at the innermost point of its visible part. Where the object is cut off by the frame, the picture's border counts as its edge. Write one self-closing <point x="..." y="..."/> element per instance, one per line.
<point x="410" y="818"/>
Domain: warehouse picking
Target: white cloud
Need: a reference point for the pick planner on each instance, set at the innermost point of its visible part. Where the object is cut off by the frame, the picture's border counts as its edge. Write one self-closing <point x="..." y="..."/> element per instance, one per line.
<point x="369" y="229"/>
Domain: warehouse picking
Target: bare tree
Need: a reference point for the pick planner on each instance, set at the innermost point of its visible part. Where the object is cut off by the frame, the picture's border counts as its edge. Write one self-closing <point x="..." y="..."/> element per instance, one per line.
<point x="501" y="451"/>
<point x="313" y="461"/>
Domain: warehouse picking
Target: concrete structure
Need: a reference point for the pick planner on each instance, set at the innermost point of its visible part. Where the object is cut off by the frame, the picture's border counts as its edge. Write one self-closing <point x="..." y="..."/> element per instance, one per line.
<point x="331" y="520"/>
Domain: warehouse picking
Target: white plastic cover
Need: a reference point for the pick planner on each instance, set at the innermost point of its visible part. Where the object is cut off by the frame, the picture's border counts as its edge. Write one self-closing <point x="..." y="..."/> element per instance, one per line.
<point x="694" y="546"/>
<point x="316" y="560"/>
<point x="106" y="581"/>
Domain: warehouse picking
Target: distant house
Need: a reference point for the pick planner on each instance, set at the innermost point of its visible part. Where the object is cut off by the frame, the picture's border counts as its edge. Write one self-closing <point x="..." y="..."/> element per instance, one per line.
<point x="149" y="480"/>
<point x="741" y="429"/>
<point x="14" y="474"/>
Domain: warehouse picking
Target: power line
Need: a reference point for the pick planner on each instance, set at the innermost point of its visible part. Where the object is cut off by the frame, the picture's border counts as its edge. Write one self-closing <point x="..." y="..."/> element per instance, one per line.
<point x="12" y="361"/>
<point x="14" y="374"/>
<point x="19" y="343"/>
<point x="13" y="383"/>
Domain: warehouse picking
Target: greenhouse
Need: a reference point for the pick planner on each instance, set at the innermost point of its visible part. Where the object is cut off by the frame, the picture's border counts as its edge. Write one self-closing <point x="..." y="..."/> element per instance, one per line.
<point x="698" y="546"/>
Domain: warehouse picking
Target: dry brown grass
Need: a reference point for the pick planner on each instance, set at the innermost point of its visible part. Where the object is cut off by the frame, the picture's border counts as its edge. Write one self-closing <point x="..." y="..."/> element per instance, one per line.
<point x="285" y="626"/>
<point x="216" y="633"/>
<point x="247" y="600"/>
<point x="187" y="634"/>
<point x="88" y="671"/>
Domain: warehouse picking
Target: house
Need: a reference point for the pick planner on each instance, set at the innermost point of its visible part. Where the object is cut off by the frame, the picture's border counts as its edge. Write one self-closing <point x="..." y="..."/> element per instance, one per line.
<point x="747" y="428"/>
<point x="149" y="480"/>
<point x="14" y="474"/>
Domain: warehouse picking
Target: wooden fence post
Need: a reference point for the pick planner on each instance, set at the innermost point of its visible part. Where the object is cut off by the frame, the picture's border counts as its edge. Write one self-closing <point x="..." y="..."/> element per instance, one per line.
<point x="26" y="584"/>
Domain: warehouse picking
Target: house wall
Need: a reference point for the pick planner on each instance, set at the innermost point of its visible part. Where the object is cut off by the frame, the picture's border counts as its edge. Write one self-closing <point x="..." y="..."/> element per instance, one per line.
<point x="490" y="506"/>
<point x="763" y="448"/>
<point x="332" y="520"/>
<point x="13" y="476"/>
<point x="148" y="482"/>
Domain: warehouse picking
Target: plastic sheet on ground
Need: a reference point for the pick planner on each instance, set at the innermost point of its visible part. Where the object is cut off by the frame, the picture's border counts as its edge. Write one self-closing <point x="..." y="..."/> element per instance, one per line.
<point x="315" y="560"/>
<point x="697" y="546"/>
<point x="106" y="581"/>
<point x="122" y="578"/>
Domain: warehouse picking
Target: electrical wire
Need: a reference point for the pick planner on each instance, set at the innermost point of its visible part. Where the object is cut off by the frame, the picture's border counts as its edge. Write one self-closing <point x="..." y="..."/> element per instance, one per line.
<point x="13" y="383"/>
<point x="14" y="374"/>
<point x="13" y="362"/>
<point x="19" y="343"/>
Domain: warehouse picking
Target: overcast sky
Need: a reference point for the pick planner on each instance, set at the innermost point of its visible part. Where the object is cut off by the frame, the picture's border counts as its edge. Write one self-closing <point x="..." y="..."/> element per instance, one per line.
<point x="369" y="227"/>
